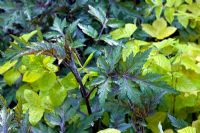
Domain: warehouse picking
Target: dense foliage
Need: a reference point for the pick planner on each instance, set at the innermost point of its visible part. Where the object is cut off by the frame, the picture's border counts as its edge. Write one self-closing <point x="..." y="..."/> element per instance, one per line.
<point x="106" y="66"/>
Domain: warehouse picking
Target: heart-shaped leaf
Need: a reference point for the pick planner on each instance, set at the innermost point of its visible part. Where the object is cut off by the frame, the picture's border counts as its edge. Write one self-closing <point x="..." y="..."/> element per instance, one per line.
<point x="159" y="29"/>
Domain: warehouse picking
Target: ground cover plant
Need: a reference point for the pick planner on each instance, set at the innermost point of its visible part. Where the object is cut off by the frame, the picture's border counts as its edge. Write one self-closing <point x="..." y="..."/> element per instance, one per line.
<point x="106" y="66"/>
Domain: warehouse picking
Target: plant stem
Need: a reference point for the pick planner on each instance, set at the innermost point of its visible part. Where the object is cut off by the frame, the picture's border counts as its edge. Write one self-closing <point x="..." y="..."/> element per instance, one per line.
<point x="62" y="126"/>
<point x="73" y="68"/>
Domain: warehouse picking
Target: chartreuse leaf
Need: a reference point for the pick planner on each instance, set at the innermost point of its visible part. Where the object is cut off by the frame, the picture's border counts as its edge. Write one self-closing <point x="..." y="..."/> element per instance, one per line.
<point x="27" y="36"/>
<point x="109" y="130"/>
<point x="168" y="131"/>
<point x="187" y="130"/>
<point x="88" y="59"/>
<point x="183" y="19"/>
<point x="99" y="13"/>
<point x="11" y="76"/>
<point x="177" y="3"/>
<point x="32" y="97"/>
<point x="20" y="91"/>
<point x="88" y="30"/>
<point x="34" y="106"/>
<point x="196" y="124"/>
<point x="130" y="47"/>
<point x="169" y="14"/>
<point x="153" y="121"/>
<point x="5" y="67"/>
<point x="158" y="11"/>
<point x="69" y="82"/>
<point x="124" y="32"/>
<point x="160" y="33"/>
<point x="189" y="1"/>
<point x="24" y="38"/>
<point x="162" y="62"/>
<point x="46" y="82"/>
<point x="170" y="3"/>
<point x="88" y="75"/>
<point x="58" y="94"/>
<point x="48" y="63"/>
<point x="32" y="76"/>
<point x="190" y="100"/>
<point x="39" y="34"/>
<point x="35" y="114"/>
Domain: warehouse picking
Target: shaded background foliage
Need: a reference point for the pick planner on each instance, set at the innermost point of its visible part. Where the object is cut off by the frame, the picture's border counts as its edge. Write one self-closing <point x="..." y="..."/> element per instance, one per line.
<point x="133" y="91"/>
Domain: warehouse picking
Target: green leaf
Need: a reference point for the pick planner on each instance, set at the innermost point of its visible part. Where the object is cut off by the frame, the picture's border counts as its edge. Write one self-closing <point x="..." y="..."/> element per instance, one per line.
<point x="77" y="44"/>
<point x="98" y="80"/>
<point x="136" y="63"/>
<point x="128" y="89"/>
<point x="125" y="32"/>
<point x="11" y="76"/>
<point x="53" y="119"/>
<point x="88" y="30"/>
<point x="7" y="66"/>
<point x="160" y="33"/>
<point x="157" y="86"/>
<point x="113" y="57"/>
<point x="115" y="23"/>
<point x="99" y="13"/>
<point x="73" y="26"/>
<point x="109" y="130"/>
<point x="59" y="25"/>
<point x="103" y="91"/>
<point x="188" y="129"/>
<point x="108" y="39"/>
<point x="178" y="123"/>
<point x="169" y="14"/>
